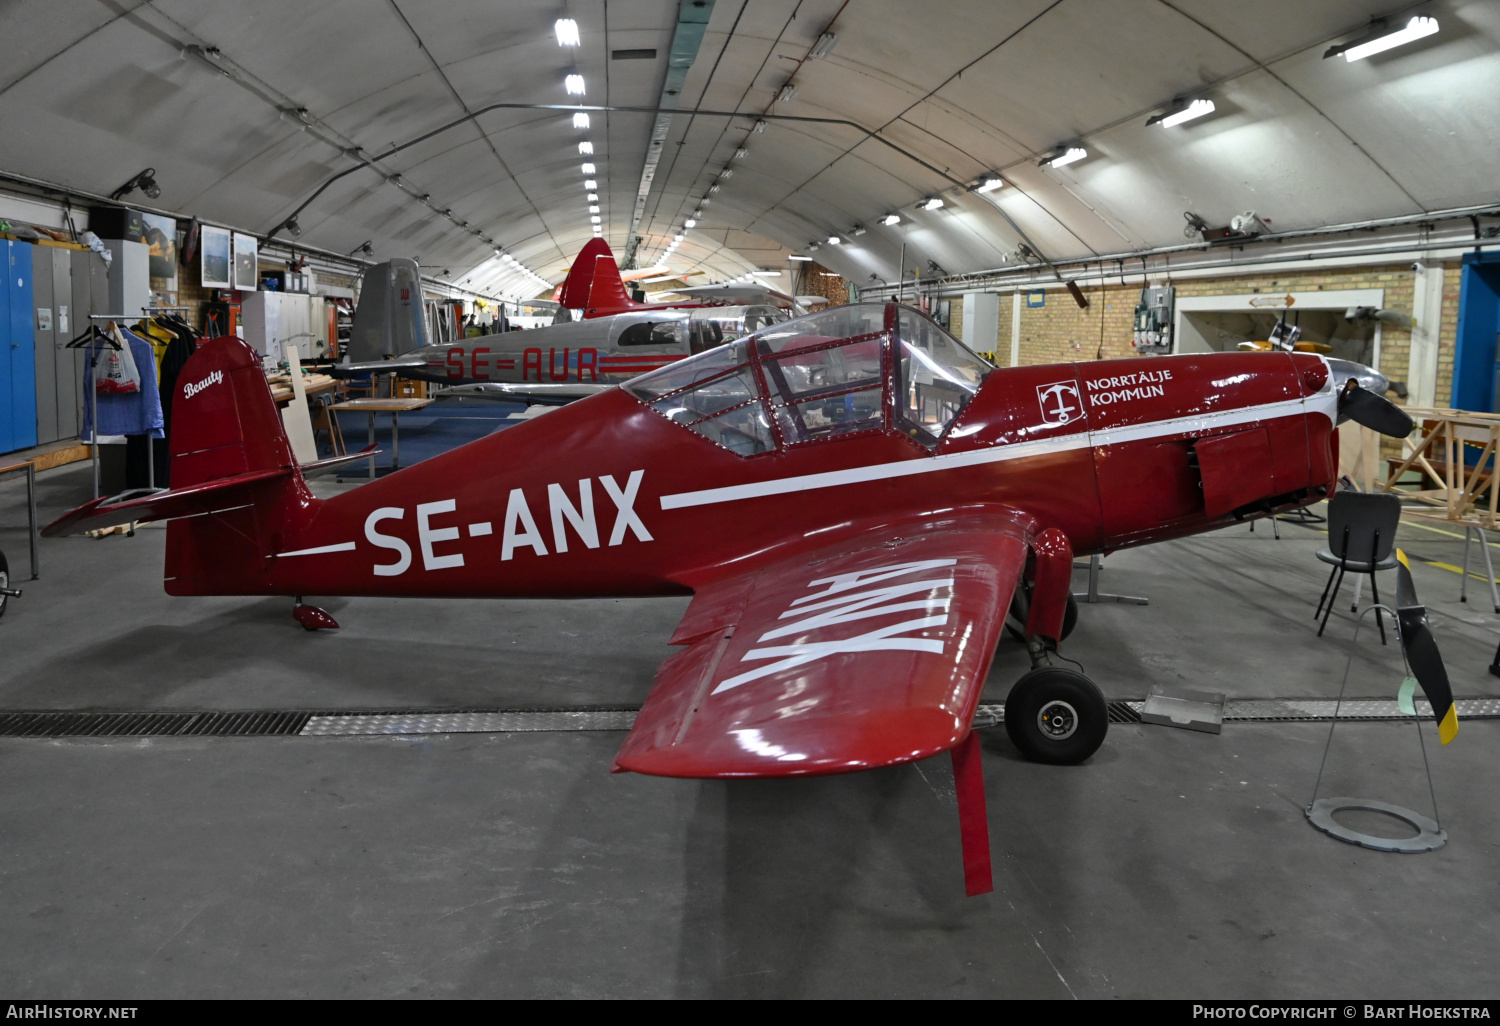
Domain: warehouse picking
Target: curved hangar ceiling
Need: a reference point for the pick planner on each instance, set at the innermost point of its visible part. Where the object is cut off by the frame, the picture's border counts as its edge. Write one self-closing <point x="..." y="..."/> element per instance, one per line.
<point x="246" y="108"/>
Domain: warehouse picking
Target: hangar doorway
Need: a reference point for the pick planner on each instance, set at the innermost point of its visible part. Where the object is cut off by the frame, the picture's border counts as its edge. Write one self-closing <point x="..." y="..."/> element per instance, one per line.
<point x="1213" y="324"/>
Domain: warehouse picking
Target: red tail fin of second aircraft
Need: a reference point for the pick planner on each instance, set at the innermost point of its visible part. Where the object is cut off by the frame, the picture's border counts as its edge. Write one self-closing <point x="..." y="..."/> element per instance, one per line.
<point x="594" y="285"/>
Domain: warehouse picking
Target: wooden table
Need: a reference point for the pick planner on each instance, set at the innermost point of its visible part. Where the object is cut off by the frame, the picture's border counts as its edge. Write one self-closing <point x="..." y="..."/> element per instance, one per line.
<point x="395" y="407"/>
<point x="312" y="384"/>
<point x="30" y="468"/>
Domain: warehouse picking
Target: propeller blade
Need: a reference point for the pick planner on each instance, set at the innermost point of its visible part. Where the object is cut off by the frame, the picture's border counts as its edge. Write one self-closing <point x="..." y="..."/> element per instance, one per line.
<point x="1422" y="652"/>
<point x="1373" y="411"/>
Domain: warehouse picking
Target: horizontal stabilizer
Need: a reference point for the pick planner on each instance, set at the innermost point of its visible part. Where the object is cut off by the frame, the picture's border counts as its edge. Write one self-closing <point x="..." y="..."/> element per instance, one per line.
<point x="145" y="504"/>
<point x="522" y="392"/>
<point x="394" y="366"/>
<point x="321" y="466"/>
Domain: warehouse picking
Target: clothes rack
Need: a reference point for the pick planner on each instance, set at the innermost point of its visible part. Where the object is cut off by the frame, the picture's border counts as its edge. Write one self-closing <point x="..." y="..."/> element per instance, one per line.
<point x="88" y="339"/>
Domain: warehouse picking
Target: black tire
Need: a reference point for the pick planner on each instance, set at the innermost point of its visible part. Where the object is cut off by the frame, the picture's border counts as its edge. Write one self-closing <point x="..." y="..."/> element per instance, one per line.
<point x="1020" y="605"/>
<point x="4" y="583"/>
<point x="1056" y="716"/>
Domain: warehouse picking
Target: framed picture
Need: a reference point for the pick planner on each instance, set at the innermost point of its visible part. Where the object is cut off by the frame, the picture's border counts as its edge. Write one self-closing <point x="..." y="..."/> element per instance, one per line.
<point x="161" y="236"/>
<point x="213" y="246"/>
<point x="246" y="263"/>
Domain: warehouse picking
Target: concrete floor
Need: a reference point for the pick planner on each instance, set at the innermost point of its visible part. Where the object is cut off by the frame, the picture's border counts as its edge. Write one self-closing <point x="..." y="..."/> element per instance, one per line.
<point x="1173" y="864"/>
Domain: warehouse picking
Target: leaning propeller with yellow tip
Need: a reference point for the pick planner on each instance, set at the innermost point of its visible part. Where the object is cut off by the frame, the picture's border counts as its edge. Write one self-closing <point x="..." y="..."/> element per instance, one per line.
<point x="1421" y="652"/>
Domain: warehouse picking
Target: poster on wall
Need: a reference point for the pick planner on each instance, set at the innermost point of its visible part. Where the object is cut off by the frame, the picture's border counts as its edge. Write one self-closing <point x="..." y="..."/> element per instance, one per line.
<point x="246" y="263"/>
<point x="214" y="247"/>
<point x="161" y="237"/>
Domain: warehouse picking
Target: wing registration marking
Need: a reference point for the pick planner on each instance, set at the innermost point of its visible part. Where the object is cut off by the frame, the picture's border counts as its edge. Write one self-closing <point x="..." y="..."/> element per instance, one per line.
<point x="841" y="602"/>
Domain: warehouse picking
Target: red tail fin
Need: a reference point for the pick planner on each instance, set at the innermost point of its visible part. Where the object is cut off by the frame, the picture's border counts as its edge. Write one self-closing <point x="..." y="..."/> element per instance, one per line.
<point x="594" y="285"/>
<point x="226" y="429"/>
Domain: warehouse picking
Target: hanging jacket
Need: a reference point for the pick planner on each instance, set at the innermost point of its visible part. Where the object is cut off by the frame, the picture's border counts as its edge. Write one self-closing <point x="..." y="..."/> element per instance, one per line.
<point x="135" y="413"/>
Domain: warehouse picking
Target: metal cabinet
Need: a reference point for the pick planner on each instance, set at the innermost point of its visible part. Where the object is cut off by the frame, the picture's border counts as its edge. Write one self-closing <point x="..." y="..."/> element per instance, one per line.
<point x="17" y="349"/>
<point x="63" y="300"/>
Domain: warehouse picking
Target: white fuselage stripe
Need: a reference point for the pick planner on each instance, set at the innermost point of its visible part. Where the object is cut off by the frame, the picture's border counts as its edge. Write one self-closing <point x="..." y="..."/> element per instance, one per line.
<point x="1324" y="403"/>
<point x="340" y="547"/>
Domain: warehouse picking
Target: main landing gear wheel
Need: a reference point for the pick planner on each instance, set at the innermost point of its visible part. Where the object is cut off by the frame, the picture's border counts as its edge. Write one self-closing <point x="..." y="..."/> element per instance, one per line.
<point x="6" y="591"/>
<point x="1020" y="606"/>
<point x="1056" y="716"/>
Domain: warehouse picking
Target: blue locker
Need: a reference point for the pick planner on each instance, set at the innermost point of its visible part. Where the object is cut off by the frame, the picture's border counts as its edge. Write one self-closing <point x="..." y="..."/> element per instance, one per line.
<point x="17" y="350"/>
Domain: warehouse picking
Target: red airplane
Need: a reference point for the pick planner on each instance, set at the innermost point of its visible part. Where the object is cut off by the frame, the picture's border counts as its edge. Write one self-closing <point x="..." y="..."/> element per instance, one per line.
<point x="851" y="498"/>
<point x="594" y="286"/>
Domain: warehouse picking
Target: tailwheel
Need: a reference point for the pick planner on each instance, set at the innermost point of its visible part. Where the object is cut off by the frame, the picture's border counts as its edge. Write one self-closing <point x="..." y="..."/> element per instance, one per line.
<point x="1056" y="716"/>
<point x="5" y="590"/>
<point x="1020" y="607"/>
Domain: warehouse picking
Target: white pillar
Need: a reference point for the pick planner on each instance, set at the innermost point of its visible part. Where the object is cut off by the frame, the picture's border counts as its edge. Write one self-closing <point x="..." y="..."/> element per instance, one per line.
<point x="1427" y="310"/>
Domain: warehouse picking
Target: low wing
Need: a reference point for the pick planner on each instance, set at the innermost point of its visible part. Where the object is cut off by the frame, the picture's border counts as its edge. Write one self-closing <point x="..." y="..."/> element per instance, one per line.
<point x="844" y="659"/>
<point x="732" y="293"/>
<point x="524" y="392"/>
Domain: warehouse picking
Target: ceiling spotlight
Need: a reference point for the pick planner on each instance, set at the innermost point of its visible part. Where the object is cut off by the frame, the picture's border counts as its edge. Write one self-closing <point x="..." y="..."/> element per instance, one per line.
<point x="834" y="240"/>
<point x="741" y="153"/>
<point x="590" y="184"/>
<point x="585" y="148"/>
<point x="580" y="121"/>
<point x="760" y="126"/>
<point x="705" y="201"/>
<point x="293" y="228"/>
<point x="593" y="209"/>
<point x="824" y="46"/>
<point x="726" y="173"/>
<point x="363" y="247"/>
<point x="593" y="197"/>
<point x="698" y="213"/>
<point x="574" y="85"/>
<point x="588" y="169"/>
<point x="788" y="91"/>
<point x="890" y="219"/>
<point x="858" y="229"/>
<point x="595" y="219"/>
<point x="690" y="223"/>
<point x="1380" y="40"/>
<point x="989" y="183"/>
<point x="567" y="32"/>
<point x="678" y="238"/>
<point x="810" y="246"/>
<point x="1064" y="155"/>
<point x="1182" y="111"/>
<point x="931" y="203"/>
<point x="145" y="181"/>
<point x="713" y="188"/>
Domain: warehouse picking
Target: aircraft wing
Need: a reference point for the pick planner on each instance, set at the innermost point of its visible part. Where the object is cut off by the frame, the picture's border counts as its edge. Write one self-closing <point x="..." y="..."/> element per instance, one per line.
<point x="731" y="293"/>
<point x="523" y="392"/>
<point x="843" y="659"/>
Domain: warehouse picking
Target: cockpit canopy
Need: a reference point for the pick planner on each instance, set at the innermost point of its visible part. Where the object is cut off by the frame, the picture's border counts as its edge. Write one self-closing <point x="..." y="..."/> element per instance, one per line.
<point x="864" y="368"/>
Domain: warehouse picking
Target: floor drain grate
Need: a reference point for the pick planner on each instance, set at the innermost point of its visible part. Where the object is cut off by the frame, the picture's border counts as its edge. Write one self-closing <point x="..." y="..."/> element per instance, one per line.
<point x="150" y="724"/>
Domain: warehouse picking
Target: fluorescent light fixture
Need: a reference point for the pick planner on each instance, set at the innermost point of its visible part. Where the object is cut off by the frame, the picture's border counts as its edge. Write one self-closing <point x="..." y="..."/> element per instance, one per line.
<point x="580" y="121"/>
<point x="824" y="46"/>
<point x="834" y="240"/>
<point x="766" y="274"/>
<point x="567" y="32"/>
<point x="1417" y="28"/>
<point x="990" y="183"/>
<point x="800" y="258"/>
<point x="593" y="197"/>
<point x="574" y="85"/>
<point x="1183" y="112"/>
<point x="589" y="169"/>
<point x="585" y="148"/>
<point x="788" y="91"/>
<point x="1064" y="155"/>
<point x="931" y="203"/>
<point x="593" y="208"/>
<point x="890" y="219"/>
<point x="690" y="223"/>
<point x="678" y="238"/>
<point x="590" y="184"/>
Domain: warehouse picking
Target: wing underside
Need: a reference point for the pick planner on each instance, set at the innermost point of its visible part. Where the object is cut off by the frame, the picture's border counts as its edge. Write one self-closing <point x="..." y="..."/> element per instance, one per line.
<point x="844" y="659"/>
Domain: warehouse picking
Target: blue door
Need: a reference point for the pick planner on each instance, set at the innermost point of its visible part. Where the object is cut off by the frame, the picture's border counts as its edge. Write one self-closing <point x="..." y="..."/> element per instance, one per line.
<point x="1476" y="361"/>
<point x="18" y="358"/>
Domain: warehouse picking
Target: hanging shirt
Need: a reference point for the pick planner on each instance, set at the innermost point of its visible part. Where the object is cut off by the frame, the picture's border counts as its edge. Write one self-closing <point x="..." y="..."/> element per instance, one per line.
<point x="135" y="413"/>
